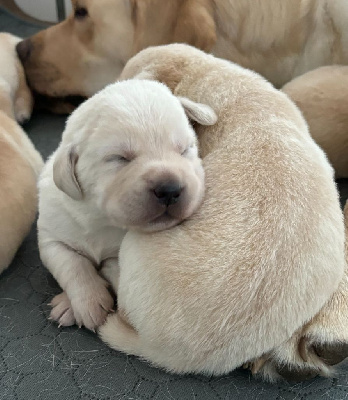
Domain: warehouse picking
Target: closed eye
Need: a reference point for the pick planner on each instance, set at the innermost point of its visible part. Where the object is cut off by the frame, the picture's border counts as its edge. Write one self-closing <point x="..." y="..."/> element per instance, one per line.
<point x="117" y="158"/>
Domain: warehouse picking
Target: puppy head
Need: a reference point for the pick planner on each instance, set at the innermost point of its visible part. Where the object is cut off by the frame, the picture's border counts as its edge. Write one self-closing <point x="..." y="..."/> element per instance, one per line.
<point x="88" y="50"/>
<point x="130" y="152"/>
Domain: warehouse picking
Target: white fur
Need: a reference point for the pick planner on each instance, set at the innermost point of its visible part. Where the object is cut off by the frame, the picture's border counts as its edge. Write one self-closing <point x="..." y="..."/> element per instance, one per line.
<point x="88" y="196"/>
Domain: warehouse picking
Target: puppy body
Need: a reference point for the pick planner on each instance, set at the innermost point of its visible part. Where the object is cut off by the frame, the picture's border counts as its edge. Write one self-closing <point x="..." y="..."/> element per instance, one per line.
<point x="263" y="253"/>
<point x="128" y="160"/>
<point x="322" y="96"/>
<point x="278" y="39"/>
<point x="20" y="163"/>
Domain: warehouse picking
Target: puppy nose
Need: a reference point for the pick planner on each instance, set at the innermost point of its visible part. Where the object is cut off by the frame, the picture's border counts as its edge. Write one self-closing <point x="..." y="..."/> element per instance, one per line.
<point x="24" y="49"/>
<point x="168" y="193"/>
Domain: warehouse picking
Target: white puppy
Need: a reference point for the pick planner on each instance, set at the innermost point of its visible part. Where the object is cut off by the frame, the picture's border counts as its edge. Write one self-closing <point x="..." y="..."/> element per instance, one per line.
<point x="128" y="160"/>
<point x="20" y="163"/>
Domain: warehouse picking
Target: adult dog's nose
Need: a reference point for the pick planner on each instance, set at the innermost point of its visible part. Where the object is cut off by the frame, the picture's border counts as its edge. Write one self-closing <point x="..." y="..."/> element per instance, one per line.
<point x="168" y="193"/>
<point x="24" y="49"/>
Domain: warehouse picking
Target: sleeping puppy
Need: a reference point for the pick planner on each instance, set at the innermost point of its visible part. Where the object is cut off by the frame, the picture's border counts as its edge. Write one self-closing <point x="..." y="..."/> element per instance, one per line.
<point x="127" y="160"/>
<point x="322" y="96"/>
<point x="20" y="163"/>
<point x="278" y="39"/>
<point x="260" y="257"/>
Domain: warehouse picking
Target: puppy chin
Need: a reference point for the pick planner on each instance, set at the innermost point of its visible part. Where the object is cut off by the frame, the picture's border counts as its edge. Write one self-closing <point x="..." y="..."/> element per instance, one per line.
<point x="165" y="221"/>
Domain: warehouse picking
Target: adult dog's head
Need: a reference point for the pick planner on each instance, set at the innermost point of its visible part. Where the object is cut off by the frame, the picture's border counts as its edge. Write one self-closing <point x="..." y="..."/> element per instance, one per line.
<point x="131" y="154"/>
<point x="89" y="49"/>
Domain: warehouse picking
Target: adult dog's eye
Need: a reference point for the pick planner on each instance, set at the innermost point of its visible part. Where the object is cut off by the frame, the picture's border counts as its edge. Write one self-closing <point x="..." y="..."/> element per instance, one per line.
<point x="117" y="158"/>
<point x="81" y="12"/>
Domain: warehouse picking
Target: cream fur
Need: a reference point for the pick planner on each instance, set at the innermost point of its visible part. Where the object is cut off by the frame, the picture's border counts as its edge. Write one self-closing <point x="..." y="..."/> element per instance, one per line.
<point x="20" y="163"/>
<point x="262" y="255"/>
<point x="118" y="149"/>
<point x="322" y="96"/>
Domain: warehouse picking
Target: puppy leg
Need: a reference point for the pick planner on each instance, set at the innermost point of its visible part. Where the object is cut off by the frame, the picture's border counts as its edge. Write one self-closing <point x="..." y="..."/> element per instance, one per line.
<point x="120" y="335"/>
<point x="85" y="288"/>
<point x="62" y="311"/>
<point x="111" y="272"/>
<point x="319" y="345"/>
<point x="23" y="102"/>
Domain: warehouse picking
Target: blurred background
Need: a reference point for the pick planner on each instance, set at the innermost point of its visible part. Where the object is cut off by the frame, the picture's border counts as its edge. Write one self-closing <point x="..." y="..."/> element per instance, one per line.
<point x="47" y="11"/>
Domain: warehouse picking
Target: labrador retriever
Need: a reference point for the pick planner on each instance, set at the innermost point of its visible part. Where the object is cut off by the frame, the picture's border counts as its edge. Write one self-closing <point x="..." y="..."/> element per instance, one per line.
<point x="241" y="279"/>
<point x="278" y="39"/>
<point x="128" y="159"/>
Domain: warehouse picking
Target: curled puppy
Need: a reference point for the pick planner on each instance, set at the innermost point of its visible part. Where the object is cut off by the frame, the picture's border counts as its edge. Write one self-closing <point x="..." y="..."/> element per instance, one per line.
<point x="127" y="160"/>
<point x="263" y="253"/>
<point x="322" y="96"/>
<point x="20" y="163"/>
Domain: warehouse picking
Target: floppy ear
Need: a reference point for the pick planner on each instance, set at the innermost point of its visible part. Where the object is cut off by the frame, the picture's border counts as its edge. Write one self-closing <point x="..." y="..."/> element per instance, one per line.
<point x="64" y="172"/>
<point x="198" y="112"/>
<point x="196" y="24"/>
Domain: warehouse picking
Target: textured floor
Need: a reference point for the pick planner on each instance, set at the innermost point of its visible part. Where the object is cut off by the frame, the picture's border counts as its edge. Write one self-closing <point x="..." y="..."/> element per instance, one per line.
<point x="38" y="361"/>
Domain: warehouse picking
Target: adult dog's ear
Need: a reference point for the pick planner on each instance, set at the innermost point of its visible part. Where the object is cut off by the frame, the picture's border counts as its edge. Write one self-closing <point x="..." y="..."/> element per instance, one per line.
<point x="196" y="24"/>
<point x="198" y="112"/>
<point x="64" y="172"/>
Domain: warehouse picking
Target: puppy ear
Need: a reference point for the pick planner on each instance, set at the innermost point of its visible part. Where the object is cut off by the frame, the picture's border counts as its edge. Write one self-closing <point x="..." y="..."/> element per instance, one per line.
<point x="64" y="172"/>
<point x="196" y="25"/>
<point x="198" y="112"/>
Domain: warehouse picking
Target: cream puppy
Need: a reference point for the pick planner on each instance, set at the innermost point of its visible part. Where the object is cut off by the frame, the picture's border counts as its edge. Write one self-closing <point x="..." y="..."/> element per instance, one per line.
<point x="127" y="160"/>
<point x="260" y="257"/>
<point x="20" y="163"/>
<point x="322" y="96"/>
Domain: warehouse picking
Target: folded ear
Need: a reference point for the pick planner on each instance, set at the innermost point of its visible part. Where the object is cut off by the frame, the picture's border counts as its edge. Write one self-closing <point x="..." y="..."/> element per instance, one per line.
<point x="198" y="112"/>
<point x="64" y="172"/>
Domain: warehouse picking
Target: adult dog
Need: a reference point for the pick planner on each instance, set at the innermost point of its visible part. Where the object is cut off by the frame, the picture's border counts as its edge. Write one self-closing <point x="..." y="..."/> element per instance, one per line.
<point x="262" y="255"/>
<point x="278" y="39"/>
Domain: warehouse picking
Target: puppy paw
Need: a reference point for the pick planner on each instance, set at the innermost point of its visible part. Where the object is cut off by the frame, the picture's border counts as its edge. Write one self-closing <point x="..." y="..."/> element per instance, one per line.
<point x="92" y="307"/>
<point x="22" y="109"/>
<point x="62" y="311"/>
<point x="301" y="358"/>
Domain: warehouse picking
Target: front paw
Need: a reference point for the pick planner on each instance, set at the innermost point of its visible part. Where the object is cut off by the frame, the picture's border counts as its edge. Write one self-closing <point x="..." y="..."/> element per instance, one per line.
<point x="92" y="307"/>
<point x="62" y="311"/>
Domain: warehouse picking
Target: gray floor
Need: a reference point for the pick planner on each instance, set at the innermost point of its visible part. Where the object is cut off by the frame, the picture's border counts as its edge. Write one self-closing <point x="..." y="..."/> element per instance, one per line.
<point x="40" y="361"/>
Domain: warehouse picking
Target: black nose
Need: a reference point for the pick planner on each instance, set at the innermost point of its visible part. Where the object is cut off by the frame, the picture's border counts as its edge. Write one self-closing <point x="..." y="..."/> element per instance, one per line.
<point x="24" y="49"/>
<point x="168" y="193"/>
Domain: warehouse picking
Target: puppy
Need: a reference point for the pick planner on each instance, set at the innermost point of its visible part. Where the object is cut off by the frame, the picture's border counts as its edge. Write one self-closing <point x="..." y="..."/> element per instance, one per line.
<point x="278" y="39"/>
<point x="322" y="96"/>
<point x="128" y="160"/>
<point x="20" y="163"/>
<point x="263" y="253"/>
